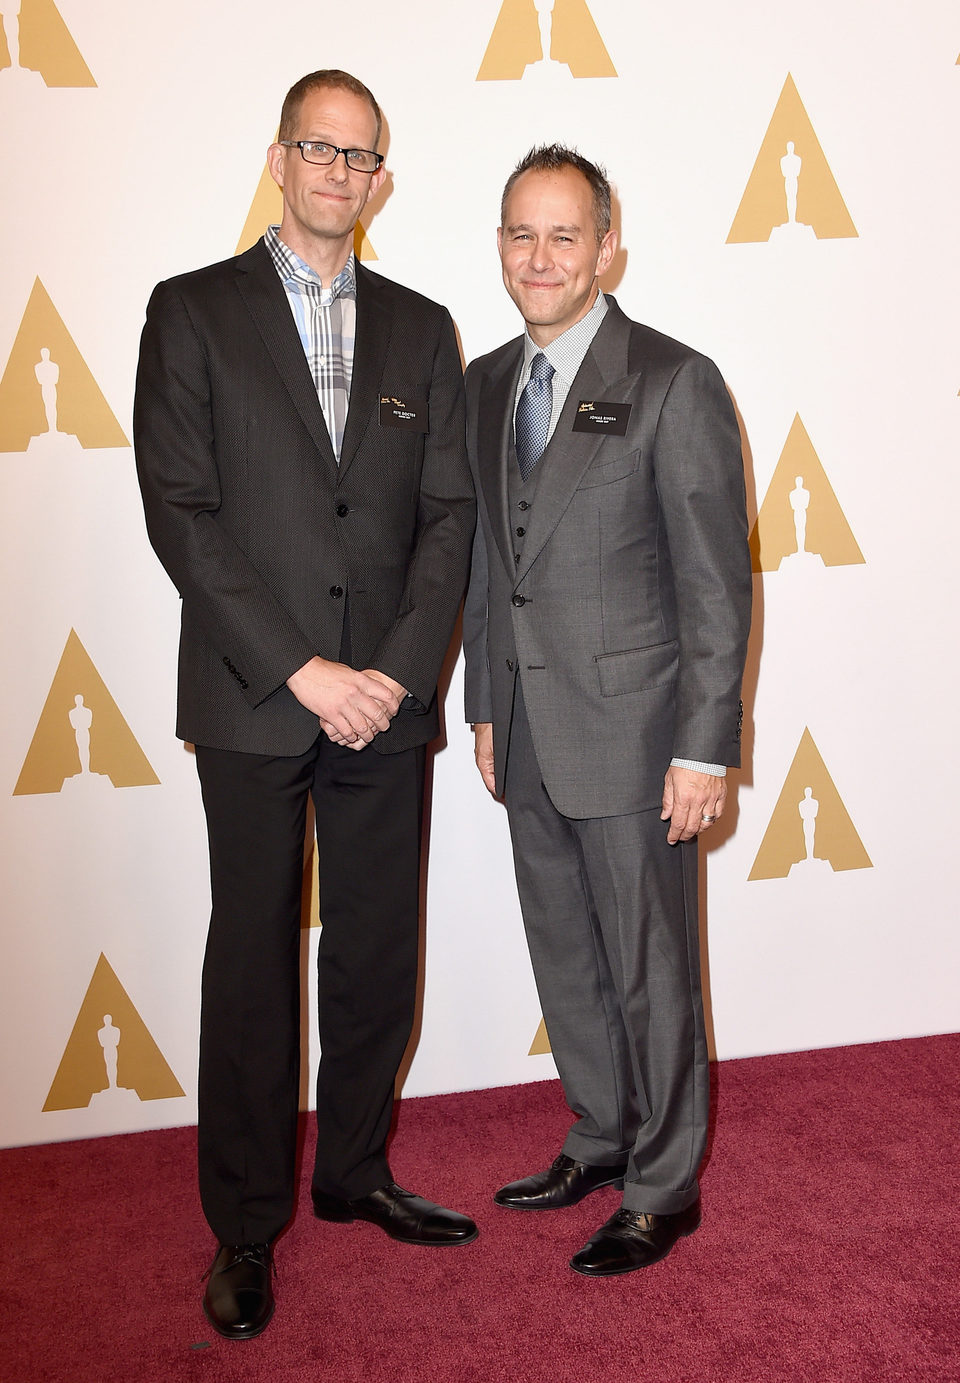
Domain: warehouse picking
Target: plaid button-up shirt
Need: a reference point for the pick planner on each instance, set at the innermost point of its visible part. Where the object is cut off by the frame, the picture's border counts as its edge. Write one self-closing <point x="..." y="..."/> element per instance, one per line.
<point x="326" y="319"/>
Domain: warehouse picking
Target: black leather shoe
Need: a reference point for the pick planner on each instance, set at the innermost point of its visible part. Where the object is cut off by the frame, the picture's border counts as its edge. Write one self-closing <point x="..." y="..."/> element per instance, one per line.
<point x="239" y="1301"/>
<point x="632" y="1239"/>
<point x="401" y="1214"/>
<point x="565" y="1183"/>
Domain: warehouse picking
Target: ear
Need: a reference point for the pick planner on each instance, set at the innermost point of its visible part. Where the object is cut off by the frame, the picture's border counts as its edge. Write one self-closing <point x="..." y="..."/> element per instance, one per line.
<point x="376" y="181"/>
<point x="608" y="248"/>
<point x="500" y="241"/>
<point x="276" y="155"/>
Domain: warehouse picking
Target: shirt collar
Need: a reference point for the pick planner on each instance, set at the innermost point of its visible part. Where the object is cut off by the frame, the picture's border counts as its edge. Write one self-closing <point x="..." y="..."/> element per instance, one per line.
<point x="566" y="353"/>
<point x="294" y="273"/>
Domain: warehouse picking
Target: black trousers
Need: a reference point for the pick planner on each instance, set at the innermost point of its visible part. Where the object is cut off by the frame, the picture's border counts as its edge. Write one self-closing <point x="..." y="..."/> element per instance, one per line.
<point x="369" y="812"/>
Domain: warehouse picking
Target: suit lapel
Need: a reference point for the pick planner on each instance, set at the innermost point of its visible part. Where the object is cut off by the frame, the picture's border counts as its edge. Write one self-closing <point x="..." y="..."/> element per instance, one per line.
<point x="568" y="454"/>
<point x="495" y="409"/>
<point x="267" y="304"/>
<point x="369" y="354"/>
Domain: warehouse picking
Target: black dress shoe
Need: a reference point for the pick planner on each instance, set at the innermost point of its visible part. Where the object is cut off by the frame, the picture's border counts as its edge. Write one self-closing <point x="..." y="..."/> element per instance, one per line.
<point x="565" y="1183"/>
<point x="632" y="1239"/>
<point x="239" y="1301"/>
<point x="401" y="1214"/>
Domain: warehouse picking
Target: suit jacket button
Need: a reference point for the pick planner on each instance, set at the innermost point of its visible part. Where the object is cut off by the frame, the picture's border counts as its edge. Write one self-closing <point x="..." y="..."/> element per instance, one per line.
<point x="244" y="683"/>
<point x="509" y="665"/>
<point x="342" y="511"/>
<point x="226" y="661"/>
<point x="336" y="592"/>
<point x="519" y="600"/>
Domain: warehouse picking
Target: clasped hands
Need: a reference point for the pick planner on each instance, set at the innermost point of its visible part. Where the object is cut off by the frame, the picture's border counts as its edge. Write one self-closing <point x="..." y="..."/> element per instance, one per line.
<point x="351" y="706"/>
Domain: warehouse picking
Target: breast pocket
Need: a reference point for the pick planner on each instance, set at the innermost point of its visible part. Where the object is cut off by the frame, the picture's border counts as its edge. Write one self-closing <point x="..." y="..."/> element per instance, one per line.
<point x="607" y="468"/>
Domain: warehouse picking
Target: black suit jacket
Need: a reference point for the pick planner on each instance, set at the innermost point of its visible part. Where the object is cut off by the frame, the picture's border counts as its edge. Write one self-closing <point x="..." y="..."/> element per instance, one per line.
<point x="264" y="535"/>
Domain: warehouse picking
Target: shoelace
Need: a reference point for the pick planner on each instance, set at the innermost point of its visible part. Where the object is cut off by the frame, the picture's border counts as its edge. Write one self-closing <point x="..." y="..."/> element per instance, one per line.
<point x="250" y="1253"/>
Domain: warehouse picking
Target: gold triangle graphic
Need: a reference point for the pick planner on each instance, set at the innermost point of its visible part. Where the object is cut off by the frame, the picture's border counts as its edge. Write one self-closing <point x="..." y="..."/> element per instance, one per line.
<point x="47" y="388"/>
<point x="570" y="33"/>
<point x="362" y="247"/>
<point x="266" y="209"/>
<point x="310" y="891"/>
<point x="41" y="42"/>
<point x="110" y="1057"/>
<point x="82" y="742"/>
<point x="810" y="829"/>
<point x="790" y="157"/>
<point x="800" y="521"/>
<point x="541" y="1042"/>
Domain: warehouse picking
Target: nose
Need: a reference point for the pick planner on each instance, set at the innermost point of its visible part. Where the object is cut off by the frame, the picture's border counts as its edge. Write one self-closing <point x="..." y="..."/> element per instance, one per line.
<point x="336" y="170"/>
<point x="541" y="257"/>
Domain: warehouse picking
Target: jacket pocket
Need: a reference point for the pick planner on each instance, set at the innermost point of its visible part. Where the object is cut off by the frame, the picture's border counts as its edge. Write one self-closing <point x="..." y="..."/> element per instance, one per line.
<point x="605" y="472"/>
<point x="637" y="669"/>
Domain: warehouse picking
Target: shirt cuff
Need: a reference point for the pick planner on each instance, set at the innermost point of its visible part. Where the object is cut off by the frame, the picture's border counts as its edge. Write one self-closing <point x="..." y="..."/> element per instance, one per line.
<point x="718" y="770"/>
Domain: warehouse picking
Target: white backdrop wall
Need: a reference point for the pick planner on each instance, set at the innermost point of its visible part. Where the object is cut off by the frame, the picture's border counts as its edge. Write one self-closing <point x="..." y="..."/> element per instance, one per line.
<point x="132" y="148"/>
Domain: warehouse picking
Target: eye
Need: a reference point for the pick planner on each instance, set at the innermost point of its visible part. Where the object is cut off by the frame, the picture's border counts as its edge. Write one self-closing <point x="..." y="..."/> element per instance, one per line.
<point x="313" y="147"/>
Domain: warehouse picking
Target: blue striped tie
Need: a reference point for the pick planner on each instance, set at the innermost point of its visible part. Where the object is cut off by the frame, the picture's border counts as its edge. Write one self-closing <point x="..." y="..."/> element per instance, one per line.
<point x="533" y="414"/>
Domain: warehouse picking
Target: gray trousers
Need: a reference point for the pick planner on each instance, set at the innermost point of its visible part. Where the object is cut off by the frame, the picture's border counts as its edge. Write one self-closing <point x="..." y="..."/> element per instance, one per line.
<point x="610" y="912"/>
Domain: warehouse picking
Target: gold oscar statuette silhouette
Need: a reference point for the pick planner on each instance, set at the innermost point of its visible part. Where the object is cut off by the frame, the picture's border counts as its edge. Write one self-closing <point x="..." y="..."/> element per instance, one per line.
<point x="801" y="526"/>
<point x="791" y="196"/>
<point x="50" y="403"/>
<point x="810" y="832"/>
<point x="36" y="47"/>
<point x="546" y="42"/>
<point x="111" y="1060"/>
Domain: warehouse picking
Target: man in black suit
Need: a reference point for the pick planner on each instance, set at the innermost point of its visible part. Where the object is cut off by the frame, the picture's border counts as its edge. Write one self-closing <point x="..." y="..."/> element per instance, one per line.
<point x="299" y="438"/>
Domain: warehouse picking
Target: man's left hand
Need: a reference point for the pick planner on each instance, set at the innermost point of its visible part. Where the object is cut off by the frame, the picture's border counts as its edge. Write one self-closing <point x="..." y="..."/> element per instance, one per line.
<point x="398" y="691"/>
<point x="692" y="802"/>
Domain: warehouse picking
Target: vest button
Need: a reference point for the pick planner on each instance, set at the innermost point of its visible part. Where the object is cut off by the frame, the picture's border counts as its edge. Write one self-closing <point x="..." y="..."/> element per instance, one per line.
<point x="336" y="592"/>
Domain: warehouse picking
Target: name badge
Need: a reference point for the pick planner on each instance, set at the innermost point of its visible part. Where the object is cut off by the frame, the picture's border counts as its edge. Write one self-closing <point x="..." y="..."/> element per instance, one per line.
<point x="602" y="417"/>
<point x="404" y="412"/>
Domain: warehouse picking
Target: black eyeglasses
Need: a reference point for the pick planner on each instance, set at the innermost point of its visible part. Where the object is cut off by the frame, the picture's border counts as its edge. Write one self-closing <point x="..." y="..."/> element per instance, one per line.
<point x="360" y="160"/>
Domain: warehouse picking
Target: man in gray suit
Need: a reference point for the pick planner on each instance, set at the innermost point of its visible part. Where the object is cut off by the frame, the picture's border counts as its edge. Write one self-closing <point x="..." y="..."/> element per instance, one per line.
<point x="605" y="633"/>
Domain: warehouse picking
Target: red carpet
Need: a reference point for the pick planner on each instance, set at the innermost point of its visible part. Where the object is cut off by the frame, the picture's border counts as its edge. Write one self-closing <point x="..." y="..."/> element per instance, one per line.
<point x="830" y="1249"/>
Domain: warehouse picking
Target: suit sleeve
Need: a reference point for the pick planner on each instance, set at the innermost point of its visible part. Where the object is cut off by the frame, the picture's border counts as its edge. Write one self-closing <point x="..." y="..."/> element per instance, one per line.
<point x="412" y="651"/>
<point x="699" y="476"/>
<point x="477" y="692"/>
<point x="180" y="483"/>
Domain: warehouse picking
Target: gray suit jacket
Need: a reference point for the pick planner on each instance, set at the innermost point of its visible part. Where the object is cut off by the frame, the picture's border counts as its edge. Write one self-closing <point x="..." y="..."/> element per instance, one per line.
<point x="264" y="535"/>
<point x="627" y="615"/>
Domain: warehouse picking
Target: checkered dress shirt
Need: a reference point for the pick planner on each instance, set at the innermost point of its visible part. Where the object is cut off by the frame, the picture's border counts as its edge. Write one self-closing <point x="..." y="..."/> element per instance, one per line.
<point x="326" y="319"/>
